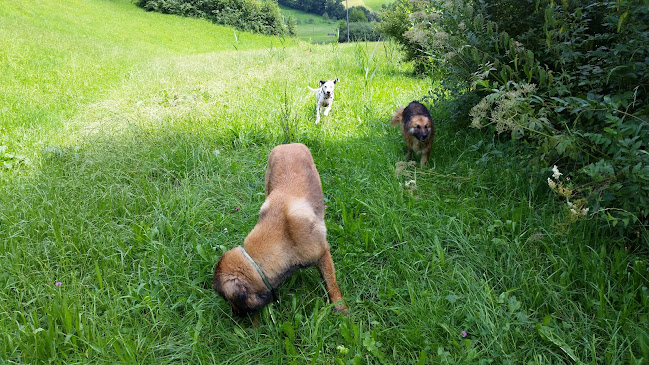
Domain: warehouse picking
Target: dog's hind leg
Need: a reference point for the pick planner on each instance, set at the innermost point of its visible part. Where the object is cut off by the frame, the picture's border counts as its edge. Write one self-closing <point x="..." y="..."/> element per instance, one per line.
<point x="326" y="267"/>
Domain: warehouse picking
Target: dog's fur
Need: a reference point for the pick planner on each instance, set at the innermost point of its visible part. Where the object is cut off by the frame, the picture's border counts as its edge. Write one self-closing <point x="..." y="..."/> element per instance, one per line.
<point x="417" y="129"/>
<point x="290" y="234"/>
<point x="324" y="96"/>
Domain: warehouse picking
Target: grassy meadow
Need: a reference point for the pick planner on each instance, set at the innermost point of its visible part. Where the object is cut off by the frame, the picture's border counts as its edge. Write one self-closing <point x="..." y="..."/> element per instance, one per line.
<point x="133" y="147"/>
<point x="374" y="5"/>
<point x="312" y="28"/>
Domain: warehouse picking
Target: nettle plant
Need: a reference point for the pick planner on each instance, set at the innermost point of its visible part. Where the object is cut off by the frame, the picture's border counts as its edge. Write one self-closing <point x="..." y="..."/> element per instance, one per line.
<point x="568" y="80"/>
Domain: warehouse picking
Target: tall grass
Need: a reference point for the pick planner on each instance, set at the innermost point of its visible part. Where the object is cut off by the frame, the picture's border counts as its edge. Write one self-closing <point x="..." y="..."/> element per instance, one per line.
<point x="135" y="191"/>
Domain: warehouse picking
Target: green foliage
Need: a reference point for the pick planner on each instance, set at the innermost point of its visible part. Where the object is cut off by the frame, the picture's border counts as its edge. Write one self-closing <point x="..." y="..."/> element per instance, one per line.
<point x="359" y="32"/>
<point x="576" y="97"/>
<point x="357" y="15"/>
<point x="362" y="14"/>
<point x="396" y="23"/>
<point x="259" y="16"/>
<point x="333" y="8"/>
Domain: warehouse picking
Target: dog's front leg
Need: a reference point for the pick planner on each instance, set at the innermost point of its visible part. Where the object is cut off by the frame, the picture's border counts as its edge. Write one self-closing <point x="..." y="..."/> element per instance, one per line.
<point x="326" y="267"/>
<point x="424" y="157"/>
<point x="327" y="109"/>
<point x="317" y="113"/>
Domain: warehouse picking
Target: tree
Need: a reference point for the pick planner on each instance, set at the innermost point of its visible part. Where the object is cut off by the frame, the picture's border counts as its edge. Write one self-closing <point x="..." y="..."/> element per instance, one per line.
<point x="357" y="16"/>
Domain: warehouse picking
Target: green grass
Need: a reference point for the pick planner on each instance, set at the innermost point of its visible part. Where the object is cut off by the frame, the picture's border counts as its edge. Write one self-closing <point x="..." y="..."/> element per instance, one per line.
<point x="312" y="28"/>
<point x="139" y="150"/>
<point x="374" y="5"/>
<point x="58" y="57"/>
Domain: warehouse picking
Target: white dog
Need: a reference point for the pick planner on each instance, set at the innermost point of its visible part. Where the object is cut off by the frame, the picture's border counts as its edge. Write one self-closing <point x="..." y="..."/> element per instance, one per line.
<point x="324" y="97"/>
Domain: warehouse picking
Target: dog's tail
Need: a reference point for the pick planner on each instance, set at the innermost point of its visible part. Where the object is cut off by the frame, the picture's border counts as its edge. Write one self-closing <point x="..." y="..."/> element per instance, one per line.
<point x="316" y="90"/>
<point x="398" y="116"/>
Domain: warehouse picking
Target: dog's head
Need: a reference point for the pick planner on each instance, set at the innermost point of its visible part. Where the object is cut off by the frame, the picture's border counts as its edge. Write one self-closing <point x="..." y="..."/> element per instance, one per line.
<point x="420" y="126"/>
<point x="327" y="87"/>
<point x="236" y="280"/>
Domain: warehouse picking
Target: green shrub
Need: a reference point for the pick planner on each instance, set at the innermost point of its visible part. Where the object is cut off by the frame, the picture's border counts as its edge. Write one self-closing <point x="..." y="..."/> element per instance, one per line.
<point x="359" y="32"/>
<point x="357" y="16"/>
<point x="395" y="22"/>
<point x="568" y="81"/>
<point x="333" y="8"/>
<point x="248" y="15"/>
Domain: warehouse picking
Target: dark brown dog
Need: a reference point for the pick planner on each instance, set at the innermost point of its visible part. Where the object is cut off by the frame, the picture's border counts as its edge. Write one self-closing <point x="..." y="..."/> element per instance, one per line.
<point x="417" y="129"/>
<point x="290" y="234"/>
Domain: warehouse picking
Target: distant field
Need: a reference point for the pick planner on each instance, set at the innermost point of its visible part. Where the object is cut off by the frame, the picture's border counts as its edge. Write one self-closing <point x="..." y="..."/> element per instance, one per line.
<point x="312" y="28"/>
<point x="374" y="5"/>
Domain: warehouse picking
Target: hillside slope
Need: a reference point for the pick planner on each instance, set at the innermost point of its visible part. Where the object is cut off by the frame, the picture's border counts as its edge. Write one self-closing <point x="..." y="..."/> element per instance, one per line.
<point x="57" y="56"/>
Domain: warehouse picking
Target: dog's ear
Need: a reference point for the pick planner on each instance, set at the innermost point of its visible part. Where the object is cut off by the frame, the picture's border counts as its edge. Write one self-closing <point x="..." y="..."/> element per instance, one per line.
<point x="235" y="289"/>
<point x="322" y="82"/>
<point x="336" y="80"/>
<point x="235" y="292"/>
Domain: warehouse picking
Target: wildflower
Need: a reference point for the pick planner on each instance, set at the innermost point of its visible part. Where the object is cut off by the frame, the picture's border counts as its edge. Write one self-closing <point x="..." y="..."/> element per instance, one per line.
<point x="236" y="209"/>
<point x="441" y="35"/>
<point x="576" y="210"/>
<point x="411" y="185"/>
<point x="463" y="333"/>
<point x="555" y="172"/>
<point x="58" y="283"/>
<point x="552" y="184"/>
<point x="326" y="206"/>
<point x="418" y="16"/>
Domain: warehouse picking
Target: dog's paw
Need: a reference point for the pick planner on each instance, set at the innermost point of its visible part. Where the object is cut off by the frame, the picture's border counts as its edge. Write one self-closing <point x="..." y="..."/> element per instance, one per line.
<point x="342" y="308"/>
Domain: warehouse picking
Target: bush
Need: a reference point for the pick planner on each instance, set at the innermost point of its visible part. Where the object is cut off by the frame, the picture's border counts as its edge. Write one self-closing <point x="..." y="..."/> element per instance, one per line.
<point x="358" y="32"/>
<point x="568" y="80"/>
<point x="357" y="16"/>
<point x="333" y="8"/>
<point x="362" y="14"/>
<point x="248" y="15"/>
<point x="395" y="22"/>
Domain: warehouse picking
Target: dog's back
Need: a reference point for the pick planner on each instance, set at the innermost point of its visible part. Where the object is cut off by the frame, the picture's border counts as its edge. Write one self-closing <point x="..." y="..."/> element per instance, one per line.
<point x="292" y="173"/>
<point x="290" y="233"/>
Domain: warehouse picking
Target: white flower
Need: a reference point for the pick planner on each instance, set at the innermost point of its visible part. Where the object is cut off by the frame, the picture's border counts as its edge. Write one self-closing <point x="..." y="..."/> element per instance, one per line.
<point x="552" y="184"/>
<point x="555" y="172"/>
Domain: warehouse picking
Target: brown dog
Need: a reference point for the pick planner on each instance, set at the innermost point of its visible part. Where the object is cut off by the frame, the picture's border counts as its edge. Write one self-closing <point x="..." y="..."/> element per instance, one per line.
<point x="417" y="129"/>
<point x="290" y="234"/>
